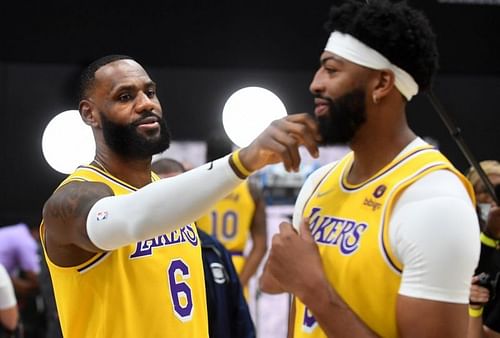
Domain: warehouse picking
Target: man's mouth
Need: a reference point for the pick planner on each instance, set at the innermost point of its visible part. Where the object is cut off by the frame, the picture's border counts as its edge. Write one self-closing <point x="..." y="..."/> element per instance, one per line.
<point x="147" y="120"/>
<point x="148" y="123"/>
<point x="321" y="107"/>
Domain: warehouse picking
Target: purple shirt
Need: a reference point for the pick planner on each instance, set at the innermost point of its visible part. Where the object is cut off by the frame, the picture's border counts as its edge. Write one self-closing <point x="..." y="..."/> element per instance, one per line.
<point x="18" y="249"/>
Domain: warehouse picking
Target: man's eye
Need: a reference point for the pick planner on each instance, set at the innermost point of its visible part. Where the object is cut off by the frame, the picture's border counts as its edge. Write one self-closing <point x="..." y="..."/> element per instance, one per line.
<point x="151" y="93"/>
<point x="330" y="70"/>
<point x="124" y="97"/>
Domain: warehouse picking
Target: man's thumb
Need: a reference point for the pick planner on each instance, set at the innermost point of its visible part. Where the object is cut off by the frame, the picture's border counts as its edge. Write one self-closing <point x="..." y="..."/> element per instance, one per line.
<point x="305" y="231"/>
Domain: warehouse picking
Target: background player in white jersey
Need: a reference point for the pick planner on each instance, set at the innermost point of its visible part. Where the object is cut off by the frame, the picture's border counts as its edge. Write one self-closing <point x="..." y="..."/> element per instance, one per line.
<point x="237" y="217"/>
<point x="388" y="236"/>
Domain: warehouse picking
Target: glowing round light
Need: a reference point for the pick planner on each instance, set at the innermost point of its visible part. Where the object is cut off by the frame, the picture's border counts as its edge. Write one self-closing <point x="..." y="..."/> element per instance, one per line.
<point x="248" y="112"/>
<point x="67" y="142"/>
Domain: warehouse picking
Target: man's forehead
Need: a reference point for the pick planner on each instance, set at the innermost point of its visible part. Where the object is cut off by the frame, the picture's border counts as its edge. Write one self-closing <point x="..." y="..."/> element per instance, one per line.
<point x="339" y="61"/>
<point x="121" y="71"/>
<point x="325" y="56"/>
<point x="495" y="178"/>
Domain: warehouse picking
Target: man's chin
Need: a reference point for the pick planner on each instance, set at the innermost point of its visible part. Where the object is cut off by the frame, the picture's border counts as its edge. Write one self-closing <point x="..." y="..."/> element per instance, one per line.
<point x="333" y="143"/>
<point x="335" y="138"/>
<point x="150" y="134"/>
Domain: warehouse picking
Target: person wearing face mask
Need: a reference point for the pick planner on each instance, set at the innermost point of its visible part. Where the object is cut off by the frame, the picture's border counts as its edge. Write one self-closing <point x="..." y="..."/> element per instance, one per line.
<point x="484" y="309"/>
<point x="485" y="202"/>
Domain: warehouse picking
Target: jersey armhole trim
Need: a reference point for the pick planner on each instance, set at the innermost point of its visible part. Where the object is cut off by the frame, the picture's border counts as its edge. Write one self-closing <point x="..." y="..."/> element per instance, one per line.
<point x="385" y="244"/>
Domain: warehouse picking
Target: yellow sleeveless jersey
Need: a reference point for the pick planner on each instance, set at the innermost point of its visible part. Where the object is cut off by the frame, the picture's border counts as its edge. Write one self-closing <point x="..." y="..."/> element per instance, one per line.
<point x="350" y="225"/>
<point x="230" y="220"/>
<point x="153" y="288"/>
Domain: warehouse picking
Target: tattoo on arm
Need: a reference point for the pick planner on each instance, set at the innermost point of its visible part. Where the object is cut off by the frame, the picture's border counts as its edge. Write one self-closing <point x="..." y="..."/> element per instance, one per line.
<point x="65" y="213"/>
<point x="76" y="200"/>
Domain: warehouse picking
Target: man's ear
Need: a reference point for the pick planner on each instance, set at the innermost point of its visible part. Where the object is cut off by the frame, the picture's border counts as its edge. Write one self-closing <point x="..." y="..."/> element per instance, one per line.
<point x="87" y="112"/>
<point x="383" y="84"/>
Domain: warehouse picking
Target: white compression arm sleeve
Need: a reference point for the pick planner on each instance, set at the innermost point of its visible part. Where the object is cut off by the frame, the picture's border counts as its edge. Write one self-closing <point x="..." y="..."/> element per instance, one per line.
<point x="159" y="207"/>
<point x="435" y="234"/>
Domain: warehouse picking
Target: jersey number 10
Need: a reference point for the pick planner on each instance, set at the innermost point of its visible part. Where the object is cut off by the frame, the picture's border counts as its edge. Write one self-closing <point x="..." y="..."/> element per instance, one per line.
<point x="225" y="224"/>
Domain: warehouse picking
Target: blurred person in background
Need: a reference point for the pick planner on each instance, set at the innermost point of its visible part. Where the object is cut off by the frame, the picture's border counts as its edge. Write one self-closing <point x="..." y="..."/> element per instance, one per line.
<point x="9" y="314"/>
<point x="236" y="218"/>
<point x="20" y="254"/>
<point x="484" y="308"/>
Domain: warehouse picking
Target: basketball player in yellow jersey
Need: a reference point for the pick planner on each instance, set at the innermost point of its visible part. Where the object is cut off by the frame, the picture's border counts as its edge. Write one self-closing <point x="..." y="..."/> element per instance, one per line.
<point x="123" y="253"/>
<point x="388" y="238"/>
<point x="236" y="217"/>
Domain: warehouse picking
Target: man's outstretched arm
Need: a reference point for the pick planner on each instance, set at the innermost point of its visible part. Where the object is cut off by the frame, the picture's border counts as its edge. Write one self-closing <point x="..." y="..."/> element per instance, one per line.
<point x="82" y="218"/>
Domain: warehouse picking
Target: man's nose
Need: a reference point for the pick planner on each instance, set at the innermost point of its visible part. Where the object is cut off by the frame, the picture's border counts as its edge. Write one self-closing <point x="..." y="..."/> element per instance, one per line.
<point x="317" y="85"/>
<point x="146" y="103"/>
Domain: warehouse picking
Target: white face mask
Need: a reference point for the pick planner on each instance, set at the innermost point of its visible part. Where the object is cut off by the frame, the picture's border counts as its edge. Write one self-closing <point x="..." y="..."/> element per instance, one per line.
<point x="484" y="209"/>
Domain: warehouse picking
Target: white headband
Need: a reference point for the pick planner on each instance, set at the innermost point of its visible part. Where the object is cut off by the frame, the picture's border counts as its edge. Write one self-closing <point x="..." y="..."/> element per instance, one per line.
<point x="350" y="48"/>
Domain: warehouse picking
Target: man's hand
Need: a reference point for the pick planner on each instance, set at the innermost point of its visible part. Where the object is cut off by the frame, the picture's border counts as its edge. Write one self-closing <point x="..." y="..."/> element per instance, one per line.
<point x="295" y="264"/>
<point x="280" y="142"/>
<point x="294" y="261"/>
<point x="479" y="295"/>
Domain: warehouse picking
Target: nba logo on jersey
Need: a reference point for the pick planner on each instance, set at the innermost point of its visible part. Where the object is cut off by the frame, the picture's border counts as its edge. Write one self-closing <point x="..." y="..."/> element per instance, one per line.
<point x="379" y="191"/>
<point x="102" y="215"/>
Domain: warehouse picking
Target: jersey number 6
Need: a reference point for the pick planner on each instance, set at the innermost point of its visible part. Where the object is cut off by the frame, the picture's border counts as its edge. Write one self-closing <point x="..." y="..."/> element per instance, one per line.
<point x="182" y="299"/>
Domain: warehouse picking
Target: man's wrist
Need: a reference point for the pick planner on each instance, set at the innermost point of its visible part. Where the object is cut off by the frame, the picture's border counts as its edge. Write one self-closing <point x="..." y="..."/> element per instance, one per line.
<point x="319" y="294"/>
<point x="475" y="311"/>
<point x="492" y="227"/>
<point x="237" y="165"/>
<point x="487" y="240"/>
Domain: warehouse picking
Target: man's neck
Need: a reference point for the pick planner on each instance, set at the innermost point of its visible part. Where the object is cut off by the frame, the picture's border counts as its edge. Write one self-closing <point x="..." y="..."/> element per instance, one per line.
<point x="374" y="153"/>
<point x="136" y="172"/>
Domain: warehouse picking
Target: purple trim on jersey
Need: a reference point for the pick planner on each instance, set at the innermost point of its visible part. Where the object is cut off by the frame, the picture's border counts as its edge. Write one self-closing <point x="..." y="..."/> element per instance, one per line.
<point x="393" y="265"/>
<point x="108" y="176"/>
<point x="236" y="253"/>
<point x="383" y="221"/>
<point x="385" y="171"/>
<point x="315" y="190"/>
<point x="85" y="267"/>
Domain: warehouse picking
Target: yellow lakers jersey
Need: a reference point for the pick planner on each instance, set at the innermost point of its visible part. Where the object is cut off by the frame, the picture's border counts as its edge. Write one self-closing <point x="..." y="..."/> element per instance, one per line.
<point x="153" y="288"/>
<point x="350" y="225"/>
<point x="230" y="220"/>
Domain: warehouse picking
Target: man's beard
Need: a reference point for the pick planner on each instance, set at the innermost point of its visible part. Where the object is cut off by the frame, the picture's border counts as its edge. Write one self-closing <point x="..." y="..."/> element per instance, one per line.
<point x="127" y="142"/>
<point x="346" y="114"/>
